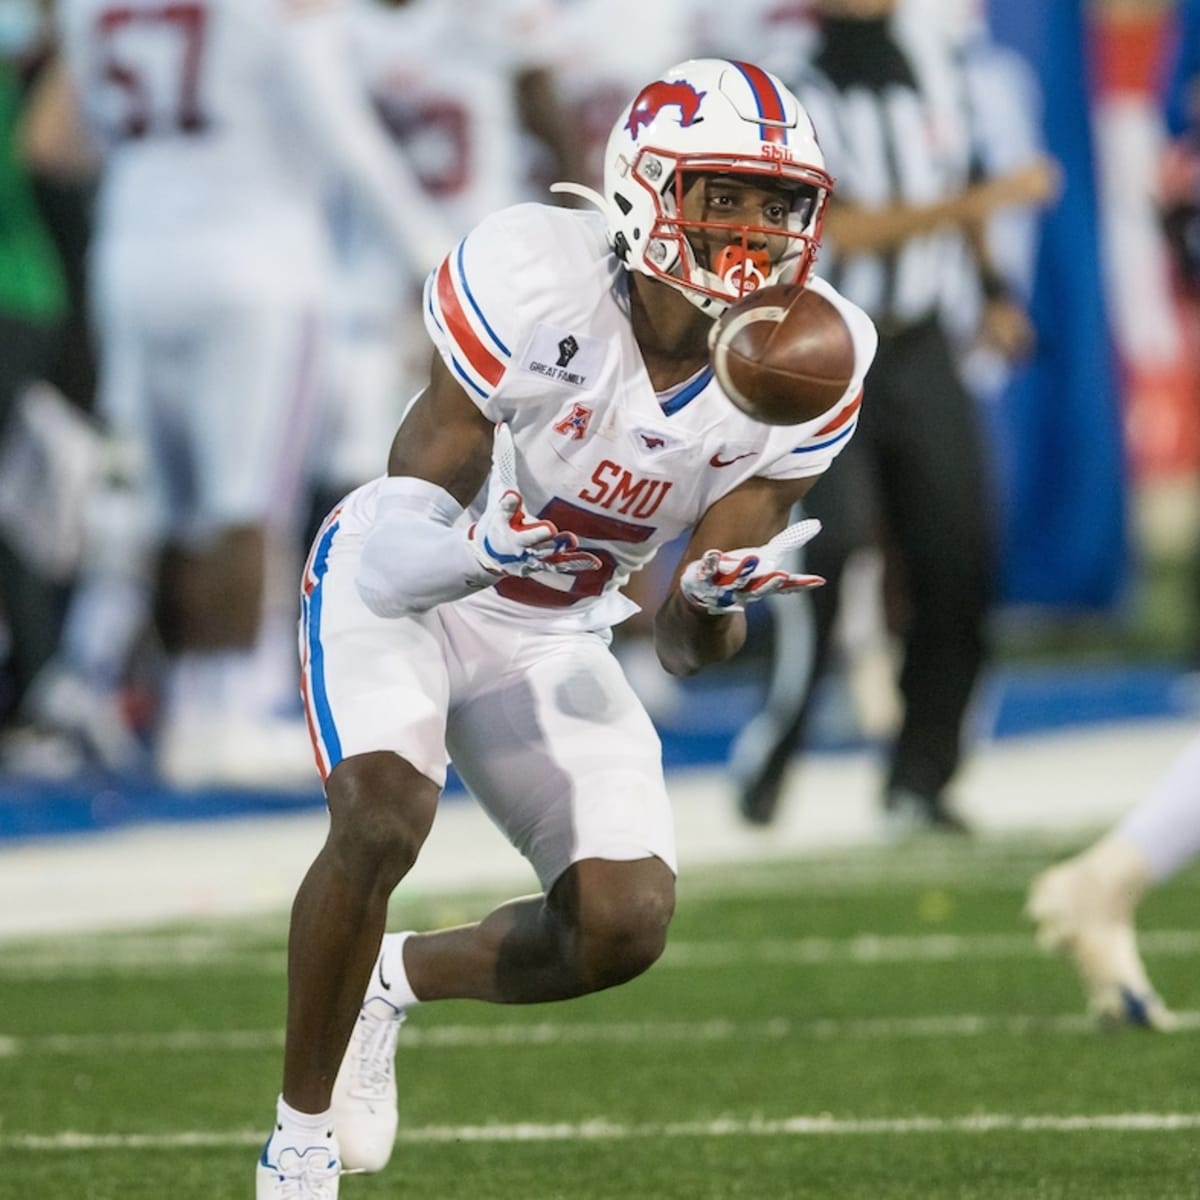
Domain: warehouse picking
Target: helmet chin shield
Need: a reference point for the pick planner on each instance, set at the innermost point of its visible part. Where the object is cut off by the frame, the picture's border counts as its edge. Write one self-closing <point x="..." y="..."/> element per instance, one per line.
<point x="714" y="117"/>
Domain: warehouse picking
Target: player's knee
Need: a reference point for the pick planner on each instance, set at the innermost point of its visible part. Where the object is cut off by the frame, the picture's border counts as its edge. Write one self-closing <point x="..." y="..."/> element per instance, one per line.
<point x="622" y="934"/>
<point x="381" y="810"/>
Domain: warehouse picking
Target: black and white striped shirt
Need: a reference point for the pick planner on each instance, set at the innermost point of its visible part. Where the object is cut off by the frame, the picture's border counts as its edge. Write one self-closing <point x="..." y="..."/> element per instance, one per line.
<point x="892" y="123"/>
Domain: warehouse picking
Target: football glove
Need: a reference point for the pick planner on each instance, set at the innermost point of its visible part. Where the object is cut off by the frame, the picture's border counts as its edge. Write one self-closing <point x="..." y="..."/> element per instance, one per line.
<point x="506" y="541"/>
<point x="725" y="581"/>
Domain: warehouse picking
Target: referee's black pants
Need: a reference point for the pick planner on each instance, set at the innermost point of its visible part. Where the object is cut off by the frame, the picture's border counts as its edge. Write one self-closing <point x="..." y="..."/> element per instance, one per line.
<point x="915" y="479"/>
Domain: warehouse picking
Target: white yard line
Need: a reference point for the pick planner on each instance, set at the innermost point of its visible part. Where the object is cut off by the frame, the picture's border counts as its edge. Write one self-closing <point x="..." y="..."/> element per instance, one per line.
<point x="603" y="1129"/>
<point x="211" y="951"/>
<point x="554" y="1033"/>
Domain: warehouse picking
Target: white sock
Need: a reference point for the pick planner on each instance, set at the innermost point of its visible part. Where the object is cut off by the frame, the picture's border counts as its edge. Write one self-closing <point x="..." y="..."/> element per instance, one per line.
<point x="316" y="1127"/>
<point x="389" y="971"/>
<point x="1165" y="827"/>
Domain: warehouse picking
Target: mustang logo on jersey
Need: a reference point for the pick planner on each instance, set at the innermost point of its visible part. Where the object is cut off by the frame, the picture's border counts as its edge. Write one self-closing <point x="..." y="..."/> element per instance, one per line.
<point x="653" y="440"/>
<point x="660" y="94"/>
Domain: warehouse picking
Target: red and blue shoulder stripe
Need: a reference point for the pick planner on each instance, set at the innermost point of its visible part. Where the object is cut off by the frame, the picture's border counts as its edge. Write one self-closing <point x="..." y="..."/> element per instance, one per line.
<point x="478" y="354"/>
<point x="839" y="427"/>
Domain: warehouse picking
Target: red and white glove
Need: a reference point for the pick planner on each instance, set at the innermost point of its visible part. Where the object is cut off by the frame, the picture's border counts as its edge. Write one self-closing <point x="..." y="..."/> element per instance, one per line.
<point x="506" y="541"/>
<point x="725" y="581"/>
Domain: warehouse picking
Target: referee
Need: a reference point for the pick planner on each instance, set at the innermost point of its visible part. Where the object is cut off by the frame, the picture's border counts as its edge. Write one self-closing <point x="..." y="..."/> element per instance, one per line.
<point x="906" y="212"/>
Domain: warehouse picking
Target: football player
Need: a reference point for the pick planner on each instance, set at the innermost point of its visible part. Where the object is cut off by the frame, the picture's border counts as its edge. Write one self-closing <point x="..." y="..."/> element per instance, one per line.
<point x="461" y="606"/>
<point x="220" y="124"/>
<point x="450" y="81"/>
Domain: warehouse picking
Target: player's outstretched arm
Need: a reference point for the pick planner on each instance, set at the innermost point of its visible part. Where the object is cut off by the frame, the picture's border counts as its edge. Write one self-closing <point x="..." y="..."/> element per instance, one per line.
<point x="702" y="620"/>
<point x="418" y="553"/>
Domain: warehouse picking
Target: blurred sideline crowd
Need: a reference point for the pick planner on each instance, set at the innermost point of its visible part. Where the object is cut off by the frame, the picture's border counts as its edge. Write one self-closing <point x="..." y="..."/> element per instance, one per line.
<point x="179" y="410"/>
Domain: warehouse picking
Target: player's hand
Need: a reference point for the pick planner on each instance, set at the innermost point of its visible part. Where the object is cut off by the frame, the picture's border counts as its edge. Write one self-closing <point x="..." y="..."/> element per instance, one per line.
<point x="506" y="541"/>
<point x="725" y="581"/>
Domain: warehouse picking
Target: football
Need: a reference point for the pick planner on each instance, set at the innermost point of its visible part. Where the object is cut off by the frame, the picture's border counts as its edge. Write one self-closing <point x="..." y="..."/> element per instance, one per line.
<point x="783" y="354"/>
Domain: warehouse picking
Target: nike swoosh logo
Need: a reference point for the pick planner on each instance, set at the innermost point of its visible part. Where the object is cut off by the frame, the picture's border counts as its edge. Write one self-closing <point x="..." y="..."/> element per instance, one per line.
<point x="387" y="987"/>
<point x="718" y="461"/>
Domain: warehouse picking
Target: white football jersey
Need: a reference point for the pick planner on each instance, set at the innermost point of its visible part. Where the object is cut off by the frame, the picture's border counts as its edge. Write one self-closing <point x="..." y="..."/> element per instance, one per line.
<point x="443" y="82"/>
<point x="530" y="313"/>
<point x="187" y="104"/>
<point x="227" y="119"/>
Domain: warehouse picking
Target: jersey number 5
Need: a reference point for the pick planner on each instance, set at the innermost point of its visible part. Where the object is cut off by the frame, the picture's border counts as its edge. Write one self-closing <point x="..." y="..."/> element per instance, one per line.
<point x="584" y="524"/>
<point x="135" y="46"/>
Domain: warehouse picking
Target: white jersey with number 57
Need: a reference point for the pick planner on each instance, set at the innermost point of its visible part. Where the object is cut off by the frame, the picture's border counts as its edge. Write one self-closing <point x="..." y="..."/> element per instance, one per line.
<point x="530" y="313"/>
<point x="228" y="118"/>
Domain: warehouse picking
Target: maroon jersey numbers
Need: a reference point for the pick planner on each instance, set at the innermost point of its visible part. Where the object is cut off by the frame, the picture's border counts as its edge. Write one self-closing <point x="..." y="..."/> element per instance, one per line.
<point x="585" y="524"/>
<point x="152" y="58"/>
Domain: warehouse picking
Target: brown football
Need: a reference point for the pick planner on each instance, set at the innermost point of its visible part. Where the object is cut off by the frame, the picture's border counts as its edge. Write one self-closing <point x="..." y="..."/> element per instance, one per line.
<point x="783" y="355"/>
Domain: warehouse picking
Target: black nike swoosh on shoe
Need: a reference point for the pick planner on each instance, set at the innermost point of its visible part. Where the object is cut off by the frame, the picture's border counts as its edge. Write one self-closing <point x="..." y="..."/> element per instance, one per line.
<point x="387" y="987"/>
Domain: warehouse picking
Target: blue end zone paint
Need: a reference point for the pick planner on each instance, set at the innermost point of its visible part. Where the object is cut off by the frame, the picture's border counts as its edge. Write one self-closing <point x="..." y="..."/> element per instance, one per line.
<point x="1011" y="704"/>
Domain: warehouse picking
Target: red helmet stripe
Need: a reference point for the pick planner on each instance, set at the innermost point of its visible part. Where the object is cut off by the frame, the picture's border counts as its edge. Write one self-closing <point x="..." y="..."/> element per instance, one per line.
<point x="770" y="103"/>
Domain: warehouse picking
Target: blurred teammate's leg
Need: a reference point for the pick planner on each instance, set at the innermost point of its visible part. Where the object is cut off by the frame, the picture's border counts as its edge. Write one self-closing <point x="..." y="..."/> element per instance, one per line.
<point x="1085" y="906"/>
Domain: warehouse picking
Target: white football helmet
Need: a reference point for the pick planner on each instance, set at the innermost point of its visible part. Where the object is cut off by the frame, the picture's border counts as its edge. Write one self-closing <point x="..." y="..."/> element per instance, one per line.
<point x="711" y="116"/>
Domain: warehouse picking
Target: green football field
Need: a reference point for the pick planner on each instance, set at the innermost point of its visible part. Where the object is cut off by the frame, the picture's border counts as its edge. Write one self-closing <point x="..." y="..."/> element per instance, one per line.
<point x="870" y="1024"/>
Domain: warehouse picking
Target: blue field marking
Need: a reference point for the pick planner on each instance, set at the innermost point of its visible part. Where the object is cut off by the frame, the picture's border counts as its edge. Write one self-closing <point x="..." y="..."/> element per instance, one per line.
<point x="1013" y="702"/>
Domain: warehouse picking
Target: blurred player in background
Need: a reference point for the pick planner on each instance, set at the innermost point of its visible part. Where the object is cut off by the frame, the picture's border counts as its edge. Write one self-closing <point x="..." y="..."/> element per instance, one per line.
<point x="1084" y="907"/>
<point x="886" y="96"/>
<point x="220" y="126"/>
<point x="463" y="603"/>
<point x="33" y="309"/>
<point x="461" y="90"/>
<point x="1178" y="196"/>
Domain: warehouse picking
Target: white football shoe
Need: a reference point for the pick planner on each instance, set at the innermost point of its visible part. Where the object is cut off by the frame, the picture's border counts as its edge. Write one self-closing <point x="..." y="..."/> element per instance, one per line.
<point x="1083" y="908"/>
<point x="365" y="1112"/>
<point x="290" y="1172"/>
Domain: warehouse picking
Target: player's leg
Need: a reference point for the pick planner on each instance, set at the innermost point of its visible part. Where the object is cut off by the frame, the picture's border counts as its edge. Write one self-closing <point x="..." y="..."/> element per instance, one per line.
<point x="602" y="924"/>
<point x="376" y="694"/>
<point x="557" y="748"/>
<point x="381" y="809"/>
<point x="251" y="374"/>
<point x="1085" y="906"/>
<point x="76" y="698"/>
<point x="937" y="506"/>
<point x="561" y="753"/>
